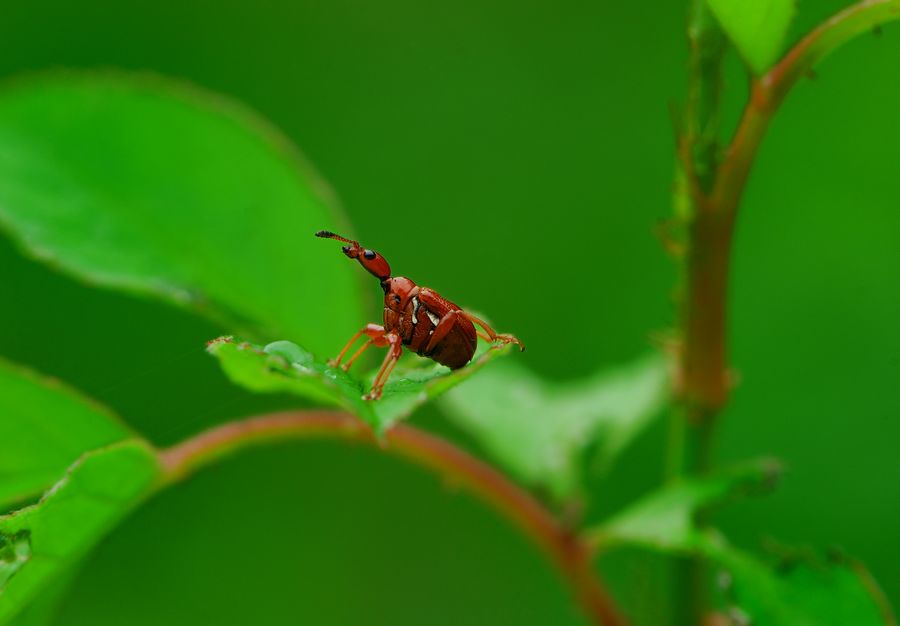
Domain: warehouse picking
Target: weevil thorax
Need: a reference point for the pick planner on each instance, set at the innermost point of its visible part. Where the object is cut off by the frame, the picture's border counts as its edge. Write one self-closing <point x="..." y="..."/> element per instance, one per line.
<point x="397" y="291"/>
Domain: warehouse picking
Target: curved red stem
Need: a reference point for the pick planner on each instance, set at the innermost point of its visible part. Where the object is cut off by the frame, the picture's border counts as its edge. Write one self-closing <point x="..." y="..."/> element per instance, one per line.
<point x="570" y="552"/>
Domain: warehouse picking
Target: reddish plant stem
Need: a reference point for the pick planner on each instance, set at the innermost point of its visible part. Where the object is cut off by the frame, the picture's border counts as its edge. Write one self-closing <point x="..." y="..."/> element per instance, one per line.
<point x="704" y="355"/>
<point x="571" y="554"/>
<point x="716" y="188"/>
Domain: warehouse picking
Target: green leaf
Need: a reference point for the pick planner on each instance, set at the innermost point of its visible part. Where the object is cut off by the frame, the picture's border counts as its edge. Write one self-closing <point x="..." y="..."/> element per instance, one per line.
<point x="792" y="591"/>
<point x="286" y="367"/>
<point x="541" y="431"/>
<point x="757" y="28"/>
<point x="151" y="186"/>
<point x="40" y="544"/>
<point x="805" y="591"/>
<point x="664" y="520"/>
<point x="44" y="608"/>
<point x="44" y="428"/>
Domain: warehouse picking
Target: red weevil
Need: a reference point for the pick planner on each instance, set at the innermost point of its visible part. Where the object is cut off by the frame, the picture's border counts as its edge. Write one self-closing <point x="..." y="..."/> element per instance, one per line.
<point x="414" y="316"/>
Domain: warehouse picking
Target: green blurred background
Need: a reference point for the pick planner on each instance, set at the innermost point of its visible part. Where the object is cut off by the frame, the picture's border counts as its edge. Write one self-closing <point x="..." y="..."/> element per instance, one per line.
<point x="515" y="156"/>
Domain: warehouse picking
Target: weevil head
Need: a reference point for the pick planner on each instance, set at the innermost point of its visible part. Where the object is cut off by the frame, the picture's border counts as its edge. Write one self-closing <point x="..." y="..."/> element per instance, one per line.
<point x="374" y="263"/>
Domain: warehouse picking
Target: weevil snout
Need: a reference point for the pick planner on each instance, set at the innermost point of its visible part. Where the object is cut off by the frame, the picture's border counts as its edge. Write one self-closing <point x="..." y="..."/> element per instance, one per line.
<point x="373" y="262"/>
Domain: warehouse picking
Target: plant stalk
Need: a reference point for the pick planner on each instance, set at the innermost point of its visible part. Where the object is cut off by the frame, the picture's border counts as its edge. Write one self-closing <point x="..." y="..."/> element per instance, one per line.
<point x="715" y="188"/>
<point x="569" y="551"/>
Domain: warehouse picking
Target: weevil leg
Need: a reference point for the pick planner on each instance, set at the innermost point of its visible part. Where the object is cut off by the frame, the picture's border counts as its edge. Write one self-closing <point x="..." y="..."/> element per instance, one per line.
<point x="444" y="326"/>
<point x="390" y="360"/>
<point x="492" y="335"/>
<point x="346" y="366"/>
<point x="374" y="331"/>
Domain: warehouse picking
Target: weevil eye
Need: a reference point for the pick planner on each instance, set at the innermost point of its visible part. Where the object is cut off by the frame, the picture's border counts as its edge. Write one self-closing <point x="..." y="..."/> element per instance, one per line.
<point x="369" y="254"/>
<point x="346" y="249"/>
<point x="396" y="298"/>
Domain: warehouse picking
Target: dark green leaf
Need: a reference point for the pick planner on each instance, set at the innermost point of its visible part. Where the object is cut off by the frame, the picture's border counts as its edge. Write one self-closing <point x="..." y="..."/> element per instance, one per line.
<point x="756" y="27"/>
<point x="39" y="544"/>
<point x="44" y="428"/>
<point x="285" y="367"/>
<point x="540" y="431"/>
<point x="148" y="185"/>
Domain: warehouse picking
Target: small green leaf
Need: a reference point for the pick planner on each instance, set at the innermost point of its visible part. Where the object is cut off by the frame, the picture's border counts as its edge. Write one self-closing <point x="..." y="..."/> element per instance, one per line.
<point x="155" y="187"/>
<point x="792" y="591"/>
<point x="805" y="591"/>
<point x="541" y="431"/>
<point x="757" y="28"/>
<point x="664" y="520"/>
<point x="286" y="367"/>
<point x="42" y="542"/>
<point x="44" y="428"/>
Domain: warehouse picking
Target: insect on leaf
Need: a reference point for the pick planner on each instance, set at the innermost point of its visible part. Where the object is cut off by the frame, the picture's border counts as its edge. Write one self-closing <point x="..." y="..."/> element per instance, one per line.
<point x="286" y="367"/>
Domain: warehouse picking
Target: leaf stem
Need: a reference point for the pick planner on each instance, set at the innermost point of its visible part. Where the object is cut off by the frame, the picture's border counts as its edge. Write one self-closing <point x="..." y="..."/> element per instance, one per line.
<point x="769" y="91"/>
<point x="571" y="554"/>
<point x="716" y="186"/>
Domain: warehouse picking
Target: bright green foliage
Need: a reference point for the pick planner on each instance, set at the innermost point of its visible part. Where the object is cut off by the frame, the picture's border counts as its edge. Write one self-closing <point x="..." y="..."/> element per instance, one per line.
<point x="756" y="27"/>
<point x="147" y="185"/>
<point x="43" y="541"/>
<point x="540" y="431"/>
<point x="44" y="428"/>
<point x="793" y="592"/>
<point x="286" y="367"/>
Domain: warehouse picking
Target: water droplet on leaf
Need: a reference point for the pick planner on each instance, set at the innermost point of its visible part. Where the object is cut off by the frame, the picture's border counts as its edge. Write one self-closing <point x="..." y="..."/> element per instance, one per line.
<point x="15" y="550"/>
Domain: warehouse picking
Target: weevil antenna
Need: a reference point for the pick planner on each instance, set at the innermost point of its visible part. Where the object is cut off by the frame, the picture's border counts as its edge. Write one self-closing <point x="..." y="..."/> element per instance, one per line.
<point x="327" y="234"/>
<point x="373" y="262"/>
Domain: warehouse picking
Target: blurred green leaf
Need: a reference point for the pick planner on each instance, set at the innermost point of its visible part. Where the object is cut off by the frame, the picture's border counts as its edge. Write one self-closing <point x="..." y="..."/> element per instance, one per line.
<point x="808" y="591"/>
<point x="40" y="543"/>
<point x="44" y="428"/>
<point x="805" y="591"/>
<point x="664" y="520"/>
<point x="286" y="367"/>
<point x="757" y="28"/>
<point x="541" y="430"/>
<point x="148" y="185"/>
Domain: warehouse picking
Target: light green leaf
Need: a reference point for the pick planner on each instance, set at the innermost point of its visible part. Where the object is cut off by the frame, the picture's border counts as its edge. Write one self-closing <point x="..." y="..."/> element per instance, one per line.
<point x="792" y="591"/>
<point x="664" y="520"/>
<point x="541" y="431"/>
<point x="148" y="185"/>
<point x="757" y="28"/>
<point x="286" y="367"/>
<point x="39" y="544"/>
<point x="44" y="428"/>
